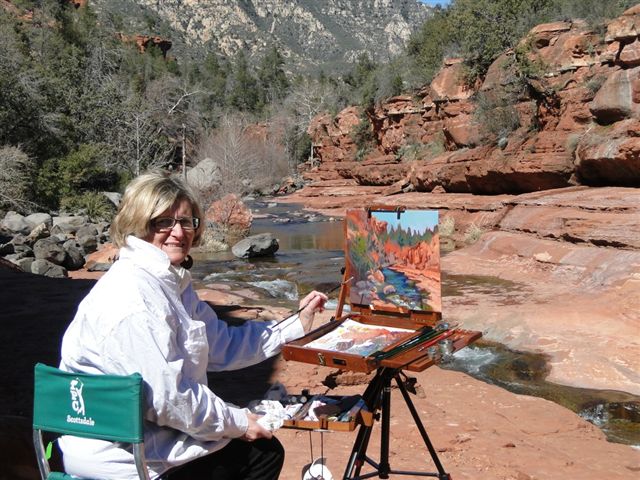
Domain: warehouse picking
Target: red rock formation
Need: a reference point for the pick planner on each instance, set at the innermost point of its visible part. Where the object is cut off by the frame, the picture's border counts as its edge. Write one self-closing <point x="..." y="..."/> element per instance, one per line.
<point x="440" y="140"/>
<point x="611" y="155"/>
<point x="144" y="42"/>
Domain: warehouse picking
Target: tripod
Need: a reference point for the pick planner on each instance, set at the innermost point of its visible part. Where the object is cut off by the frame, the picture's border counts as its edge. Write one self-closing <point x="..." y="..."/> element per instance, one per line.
<point x="378" y="397"/>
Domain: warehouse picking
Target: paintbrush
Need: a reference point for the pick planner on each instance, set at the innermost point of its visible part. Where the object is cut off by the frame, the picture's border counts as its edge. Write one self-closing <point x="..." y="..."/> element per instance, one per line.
<point x="307" y="304"/>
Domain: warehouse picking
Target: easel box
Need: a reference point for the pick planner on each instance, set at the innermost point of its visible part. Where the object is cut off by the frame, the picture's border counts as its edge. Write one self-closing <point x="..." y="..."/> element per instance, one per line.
<point x="415" y="359"/>
<point x="392" y="286"/>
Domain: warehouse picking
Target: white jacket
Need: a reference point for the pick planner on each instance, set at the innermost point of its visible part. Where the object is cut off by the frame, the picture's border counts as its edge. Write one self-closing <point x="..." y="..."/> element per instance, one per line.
<point x="144" y="316"/>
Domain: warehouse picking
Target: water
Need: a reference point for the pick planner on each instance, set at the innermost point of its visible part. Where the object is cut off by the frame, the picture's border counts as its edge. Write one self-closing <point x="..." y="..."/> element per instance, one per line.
<point x="616" y="413"/>
<point x="404" y="294"/>
<point x="311" y="256"/>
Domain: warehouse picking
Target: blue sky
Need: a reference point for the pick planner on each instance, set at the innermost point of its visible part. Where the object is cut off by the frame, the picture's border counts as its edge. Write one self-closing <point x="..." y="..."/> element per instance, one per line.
<point x="418" y="220"/>
<point x="434" y="2"/>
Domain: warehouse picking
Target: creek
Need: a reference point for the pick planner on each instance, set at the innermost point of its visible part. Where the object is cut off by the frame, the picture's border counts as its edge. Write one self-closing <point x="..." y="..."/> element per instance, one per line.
<point x="311" y="256"/>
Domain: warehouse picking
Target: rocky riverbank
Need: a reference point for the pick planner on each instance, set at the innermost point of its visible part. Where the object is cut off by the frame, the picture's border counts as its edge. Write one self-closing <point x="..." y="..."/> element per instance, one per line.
<point x="478" y="429"/>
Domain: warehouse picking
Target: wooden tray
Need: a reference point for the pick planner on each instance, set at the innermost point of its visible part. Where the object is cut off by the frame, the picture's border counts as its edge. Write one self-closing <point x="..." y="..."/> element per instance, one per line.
<point x="360" y="417"/>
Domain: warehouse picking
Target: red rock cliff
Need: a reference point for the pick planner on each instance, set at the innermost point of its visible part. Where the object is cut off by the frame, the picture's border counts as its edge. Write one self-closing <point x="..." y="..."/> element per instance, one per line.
<point x="574" y="122"/>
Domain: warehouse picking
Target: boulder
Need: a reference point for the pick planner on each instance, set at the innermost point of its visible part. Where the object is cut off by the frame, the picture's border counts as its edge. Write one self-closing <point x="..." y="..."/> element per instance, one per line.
<point x="261" y="245"/>
<point x="449" y="83"/>
<point x="618" y="98"/>
<point x="24" y="263"/>
<point x="38" y="218"/>
<point x="73" y="222"/>
<point x="630" y="54"/>
<point x="103" y="258"/>
<point x="50" y="249"/>
<point x="113" y="197"/>
<point x="44" y="267"/>
<point x="624" y="28"/>
<point x="610" y="156"/>
<point x="87" y="238"/>
<point x="205" y="176"/>
<point x="7" y="248"/>
<point x="16" y="223"/>
<point x="75" y="258"/>
<point x="38" y="232"/>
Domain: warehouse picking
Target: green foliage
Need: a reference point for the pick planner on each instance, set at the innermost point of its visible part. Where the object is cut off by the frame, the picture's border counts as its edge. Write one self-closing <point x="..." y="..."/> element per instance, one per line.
<point x="428" y="46"/>
<point x="480" y="30"/>
<point x="363" y="81"/>
<point x="410" y="152"/>
<point x="243" y="93"/>
<point x="526" y="64"/>
<point x="447" y="226"/>
<point x="91" y="110"/>
<point x="16" y="170"/>
<point x="78" y="172"/>
<point x="489" y="27"/>
<point x="496" y="114"/>
<point x="93" y="204"/>
<point x="595" y="83"/>
<point x="298" y="144"/>
<point x="359" y="255"/>
<point x="362" y="136"/>
<point x="473" y="233"/>
<point x="271" y="78"/>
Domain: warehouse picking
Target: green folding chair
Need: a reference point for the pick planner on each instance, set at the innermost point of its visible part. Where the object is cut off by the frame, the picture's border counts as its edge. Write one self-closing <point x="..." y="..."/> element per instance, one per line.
<point x="106" y="407"/>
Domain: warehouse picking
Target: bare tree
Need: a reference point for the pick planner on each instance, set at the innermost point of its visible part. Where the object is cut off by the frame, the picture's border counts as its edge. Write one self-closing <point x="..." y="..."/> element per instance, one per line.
<point x="16" y="169"/>
<point x="305" y="100"/>
<point x="310" y="97"/>
<point x="249" y="157"/>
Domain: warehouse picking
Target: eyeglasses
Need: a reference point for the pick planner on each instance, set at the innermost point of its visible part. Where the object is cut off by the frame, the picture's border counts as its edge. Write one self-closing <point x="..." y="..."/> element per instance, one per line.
<point x="167" y="223"/>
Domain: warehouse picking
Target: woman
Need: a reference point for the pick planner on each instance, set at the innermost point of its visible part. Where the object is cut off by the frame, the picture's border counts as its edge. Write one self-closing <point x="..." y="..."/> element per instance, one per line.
<point x="144" y="316"/>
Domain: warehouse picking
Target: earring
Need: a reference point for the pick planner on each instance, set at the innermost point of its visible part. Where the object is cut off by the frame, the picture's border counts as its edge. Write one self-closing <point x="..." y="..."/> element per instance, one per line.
<point x="187" y="263"/>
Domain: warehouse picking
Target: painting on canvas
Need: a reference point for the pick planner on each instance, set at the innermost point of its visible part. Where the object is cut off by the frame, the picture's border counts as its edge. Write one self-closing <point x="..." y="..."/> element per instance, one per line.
<point x="359" y="338"/>
<point x="394" y="259"/>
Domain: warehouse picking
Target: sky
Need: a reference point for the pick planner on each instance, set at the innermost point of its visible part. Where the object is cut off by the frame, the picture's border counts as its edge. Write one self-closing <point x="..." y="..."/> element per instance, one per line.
<point x="444" y="3"/>
<point x="418" y="220"/>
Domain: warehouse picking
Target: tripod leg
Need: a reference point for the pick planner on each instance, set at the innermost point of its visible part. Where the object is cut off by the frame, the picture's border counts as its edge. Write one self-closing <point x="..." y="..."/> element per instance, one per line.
<point x="372" y="398"/>
<point x="356" y="460"/>
<point x="384" y="467"/>
<point x="443" y="475"/>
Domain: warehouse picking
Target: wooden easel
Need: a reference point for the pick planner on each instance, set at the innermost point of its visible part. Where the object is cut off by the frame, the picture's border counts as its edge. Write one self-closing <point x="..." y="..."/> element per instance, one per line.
<point x="378" y="398"/>
<point x="368" y="236"/>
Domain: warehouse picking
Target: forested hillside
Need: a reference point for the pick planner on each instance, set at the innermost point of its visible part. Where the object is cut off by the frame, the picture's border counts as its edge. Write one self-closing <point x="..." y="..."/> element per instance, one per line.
<point x="84" y="106"/>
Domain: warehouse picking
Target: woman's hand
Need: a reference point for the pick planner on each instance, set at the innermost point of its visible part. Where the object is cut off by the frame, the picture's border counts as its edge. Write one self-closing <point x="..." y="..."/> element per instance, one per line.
<point x="312" y="303"/>
<point x="255" y="430"/>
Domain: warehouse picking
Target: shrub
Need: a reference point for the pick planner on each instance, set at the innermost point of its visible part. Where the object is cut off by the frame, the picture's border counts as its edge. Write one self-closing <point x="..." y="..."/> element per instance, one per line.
<point x="472" y="233"/>
<point x="410" y="152"/>
<point x="362" y="136"/>
<point x="16" y="169"/>
<point x="496" y="114"/>
<point x="595" y="83"/>
<point x="93" y="204"/>
<point x="447" y="226"/>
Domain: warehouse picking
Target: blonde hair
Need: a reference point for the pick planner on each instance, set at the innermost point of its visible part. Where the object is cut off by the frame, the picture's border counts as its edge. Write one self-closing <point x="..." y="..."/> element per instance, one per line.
<point x="145" y="198"/>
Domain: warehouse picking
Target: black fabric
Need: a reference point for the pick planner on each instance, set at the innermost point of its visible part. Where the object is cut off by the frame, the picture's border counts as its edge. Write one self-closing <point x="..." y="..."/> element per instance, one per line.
<point x="187" y="263"/>
<point x="240" y="460"/>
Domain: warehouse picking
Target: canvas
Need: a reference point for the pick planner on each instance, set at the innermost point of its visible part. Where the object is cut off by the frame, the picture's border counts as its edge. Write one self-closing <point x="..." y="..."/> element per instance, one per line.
<point x="394" y="258"/>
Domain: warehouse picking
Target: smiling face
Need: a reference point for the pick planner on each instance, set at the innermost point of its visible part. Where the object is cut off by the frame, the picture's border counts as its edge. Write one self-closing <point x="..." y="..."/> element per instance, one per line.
<point x="175" y="242"/>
